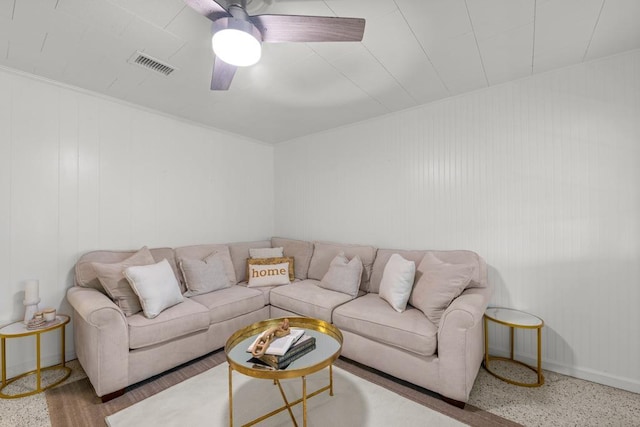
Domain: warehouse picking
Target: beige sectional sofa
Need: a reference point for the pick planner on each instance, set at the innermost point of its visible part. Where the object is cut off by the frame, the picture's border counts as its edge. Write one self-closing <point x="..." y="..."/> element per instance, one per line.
<point x="117" y="350"/>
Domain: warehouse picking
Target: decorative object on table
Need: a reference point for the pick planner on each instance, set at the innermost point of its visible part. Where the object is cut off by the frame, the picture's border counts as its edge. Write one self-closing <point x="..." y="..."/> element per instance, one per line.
<point x="303" y="346"/>
<point x="262" y="344"/>
<point x="49" y="314"/>
<point x="31" y="299"/>
<point x="36" y="323"/>
<point x="279" y="346"/>
<point x="43" y="319"/>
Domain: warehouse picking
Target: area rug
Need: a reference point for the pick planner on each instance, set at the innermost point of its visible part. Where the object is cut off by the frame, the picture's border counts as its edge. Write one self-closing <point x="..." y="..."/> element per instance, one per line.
<point x="203" y="400"/>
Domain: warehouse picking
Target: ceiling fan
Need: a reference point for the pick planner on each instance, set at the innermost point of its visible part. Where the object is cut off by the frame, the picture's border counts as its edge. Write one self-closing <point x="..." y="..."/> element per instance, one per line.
<point x="237" y="36"/>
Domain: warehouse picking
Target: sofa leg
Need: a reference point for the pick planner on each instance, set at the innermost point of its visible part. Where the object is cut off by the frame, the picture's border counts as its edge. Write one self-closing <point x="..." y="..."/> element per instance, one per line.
<point x="111" y="396"/>
<point x="453" y="402"/>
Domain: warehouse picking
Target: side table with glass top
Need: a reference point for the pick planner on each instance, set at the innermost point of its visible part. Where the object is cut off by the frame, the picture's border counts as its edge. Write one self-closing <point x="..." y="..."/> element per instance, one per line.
<point x="513" y="319"/>
<point x="18" y="330"/>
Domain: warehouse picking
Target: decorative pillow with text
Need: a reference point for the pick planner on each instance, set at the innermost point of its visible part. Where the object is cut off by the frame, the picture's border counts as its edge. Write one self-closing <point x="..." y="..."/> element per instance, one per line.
<point x="268" y="274"/>
<point x="271" y="261"/>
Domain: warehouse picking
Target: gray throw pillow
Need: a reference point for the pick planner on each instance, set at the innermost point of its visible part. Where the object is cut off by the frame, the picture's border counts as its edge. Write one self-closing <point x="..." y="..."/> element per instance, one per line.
<point x="204" y="276"/>
<point x="343" y="275"/>
<point x="111" y="277"/>
<point x="439" y="284"/>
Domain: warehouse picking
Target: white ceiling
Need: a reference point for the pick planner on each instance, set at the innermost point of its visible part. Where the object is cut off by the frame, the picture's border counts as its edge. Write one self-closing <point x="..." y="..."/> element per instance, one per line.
<point x="413" y="52"/>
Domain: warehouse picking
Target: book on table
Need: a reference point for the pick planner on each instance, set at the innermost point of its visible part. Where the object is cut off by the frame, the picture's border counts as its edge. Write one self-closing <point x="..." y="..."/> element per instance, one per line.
<point x="279" y="346"/>
<point x="303" y="346"/>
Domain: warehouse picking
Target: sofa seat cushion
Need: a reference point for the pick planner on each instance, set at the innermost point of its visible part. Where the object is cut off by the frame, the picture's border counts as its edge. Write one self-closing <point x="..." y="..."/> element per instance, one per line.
<point x="308" y="299"/>
<point x="372" y="317"/>
<point x="174" y="322"/>
<point x="225" y="304"/>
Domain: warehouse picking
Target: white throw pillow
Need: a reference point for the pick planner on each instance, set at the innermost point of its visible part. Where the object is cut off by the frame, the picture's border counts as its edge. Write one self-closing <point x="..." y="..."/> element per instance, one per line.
<point x="397" y="282"/>
<point x="204" y="276"/>
<point x="268" y="274"/>
<point x="156" y="286"/>
<point x="343" y="275"/>
<point x="266" y="253"/>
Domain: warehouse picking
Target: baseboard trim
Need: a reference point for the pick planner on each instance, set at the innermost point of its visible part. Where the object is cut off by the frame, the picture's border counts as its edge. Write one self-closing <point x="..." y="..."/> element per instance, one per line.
<point x="576" y="371"/>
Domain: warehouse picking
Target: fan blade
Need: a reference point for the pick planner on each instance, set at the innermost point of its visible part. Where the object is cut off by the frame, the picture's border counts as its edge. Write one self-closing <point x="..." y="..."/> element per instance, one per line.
<point x="222" y="75"/>
<point x="295" y="28"/>
<point x="208" y="8"/>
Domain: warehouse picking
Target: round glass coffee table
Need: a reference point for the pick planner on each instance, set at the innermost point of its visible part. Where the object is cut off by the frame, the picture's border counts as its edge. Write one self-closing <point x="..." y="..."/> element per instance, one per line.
<point x="328" y="348"/>
<point x="513" y="319"/>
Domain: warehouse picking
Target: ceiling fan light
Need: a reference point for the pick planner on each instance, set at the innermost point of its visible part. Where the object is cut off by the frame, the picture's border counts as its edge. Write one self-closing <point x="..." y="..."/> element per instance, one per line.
<point x="236" y="47"/>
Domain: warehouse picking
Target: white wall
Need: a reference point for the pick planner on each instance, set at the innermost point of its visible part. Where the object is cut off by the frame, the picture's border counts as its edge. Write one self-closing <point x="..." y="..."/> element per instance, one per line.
<point x="539" y="176"/>
<point x="80" y="172"/>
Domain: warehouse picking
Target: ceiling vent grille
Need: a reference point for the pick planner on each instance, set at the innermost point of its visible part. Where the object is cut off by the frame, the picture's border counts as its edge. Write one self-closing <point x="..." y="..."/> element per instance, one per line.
<point x="152" y="64"/>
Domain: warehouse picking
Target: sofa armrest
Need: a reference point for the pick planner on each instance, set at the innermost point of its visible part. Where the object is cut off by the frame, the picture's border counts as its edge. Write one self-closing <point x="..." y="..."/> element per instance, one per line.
<point x="101" y="338"/>
<point x="461" y="342"/>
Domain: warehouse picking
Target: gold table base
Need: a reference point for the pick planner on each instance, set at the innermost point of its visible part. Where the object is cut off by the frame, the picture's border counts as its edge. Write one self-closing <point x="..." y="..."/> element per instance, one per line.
<point x="287" y="405"/>
<point x="39" y="387"/>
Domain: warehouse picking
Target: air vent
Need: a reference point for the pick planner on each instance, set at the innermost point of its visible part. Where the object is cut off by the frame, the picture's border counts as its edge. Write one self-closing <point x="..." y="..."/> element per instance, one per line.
<point x="150" y="63"/>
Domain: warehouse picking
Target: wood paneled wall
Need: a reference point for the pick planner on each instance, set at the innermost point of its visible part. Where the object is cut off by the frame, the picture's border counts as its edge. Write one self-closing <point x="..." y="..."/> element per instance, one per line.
<point x="539" y="176"/>
<point x="80" y="172"/>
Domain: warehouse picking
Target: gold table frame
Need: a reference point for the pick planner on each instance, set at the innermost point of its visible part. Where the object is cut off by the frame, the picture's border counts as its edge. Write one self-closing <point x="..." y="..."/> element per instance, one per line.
<point x="62" y="322"/>
<point x="511" y="359"/>
<point x="275" y="374"/>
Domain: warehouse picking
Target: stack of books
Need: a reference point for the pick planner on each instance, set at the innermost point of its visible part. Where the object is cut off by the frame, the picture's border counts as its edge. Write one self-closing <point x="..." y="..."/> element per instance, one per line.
<point x="299" y="349"/>
<point x="283" y="351"/>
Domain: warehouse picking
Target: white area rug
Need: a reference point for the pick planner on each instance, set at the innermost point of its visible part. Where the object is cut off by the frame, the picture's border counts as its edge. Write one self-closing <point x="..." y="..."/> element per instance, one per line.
<point x="203" y="400"/>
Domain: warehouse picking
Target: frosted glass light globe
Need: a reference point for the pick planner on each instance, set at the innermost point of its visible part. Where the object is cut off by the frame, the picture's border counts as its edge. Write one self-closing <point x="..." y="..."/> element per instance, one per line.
<point x="236" y="47"/>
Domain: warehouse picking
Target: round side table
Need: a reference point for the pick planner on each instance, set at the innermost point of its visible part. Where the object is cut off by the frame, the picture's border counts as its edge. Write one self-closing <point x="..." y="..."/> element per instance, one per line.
<point x="513" y="319"/>
<point x="19" y="329"/>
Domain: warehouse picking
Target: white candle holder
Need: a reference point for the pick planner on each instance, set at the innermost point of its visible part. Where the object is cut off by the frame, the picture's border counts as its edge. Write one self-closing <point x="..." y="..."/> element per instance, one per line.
<point x="30" y="308"/>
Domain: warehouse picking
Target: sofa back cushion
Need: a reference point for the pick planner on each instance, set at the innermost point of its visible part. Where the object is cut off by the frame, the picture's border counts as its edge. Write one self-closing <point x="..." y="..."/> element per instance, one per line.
<point x="85" y="275"/>
<point x="300" y="250"/>
<point x="478" y="279"/>
<point x="240" y="253"/>
<point x="325" y="252"/>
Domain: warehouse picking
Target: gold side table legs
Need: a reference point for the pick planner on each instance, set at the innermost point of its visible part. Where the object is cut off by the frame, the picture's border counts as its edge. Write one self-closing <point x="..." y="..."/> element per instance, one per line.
<point x="511" y="359"/>
<point x="39" y="369"/>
